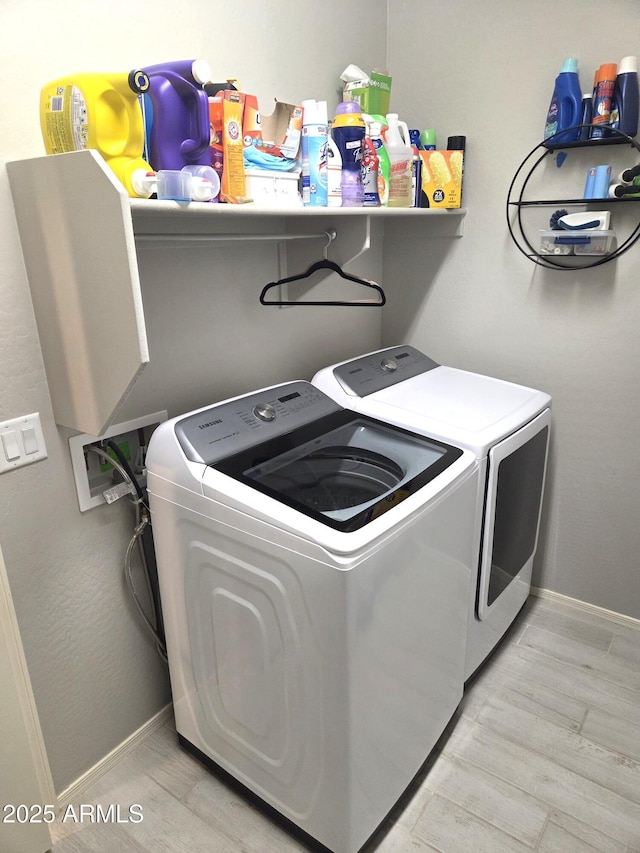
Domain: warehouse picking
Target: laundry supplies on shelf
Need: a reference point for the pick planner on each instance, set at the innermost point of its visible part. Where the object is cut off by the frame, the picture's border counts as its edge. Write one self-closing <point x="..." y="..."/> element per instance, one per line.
<point x="98" y="111"/>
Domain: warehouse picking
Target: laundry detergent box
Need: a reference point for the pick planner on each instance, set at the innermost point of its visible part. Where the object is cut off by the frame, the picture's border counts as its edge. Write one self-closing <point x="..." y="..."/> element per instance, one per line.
<point x="282" y="130"/>
<point x="232" y="146"/>
<point x="216" y="122"/>
<point x="277" y="134"/>
<point x="251" y="122"/>
<point x="441" y="178"/>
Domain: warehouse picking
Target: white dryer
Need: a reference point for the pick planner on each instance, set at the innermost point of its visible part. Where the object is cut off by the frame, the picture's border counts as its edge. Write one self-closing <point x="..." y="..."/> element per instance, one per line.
<point x="505" y="425"/>
<point x="314" y="568"/>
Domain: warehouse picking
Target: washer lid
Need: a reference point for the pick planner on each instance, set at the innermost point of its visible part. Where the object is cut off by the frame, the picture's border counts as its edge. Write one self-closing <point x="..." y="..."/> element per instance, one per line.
<point x="343" y="470"/>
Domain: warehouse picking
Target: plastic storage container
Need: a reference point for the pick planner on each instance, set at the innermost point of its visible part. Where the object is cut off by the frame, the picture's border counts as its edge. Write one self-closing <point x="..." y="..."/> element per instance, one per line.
<point x="273" y="189"/>
<point x="587" y="242"/>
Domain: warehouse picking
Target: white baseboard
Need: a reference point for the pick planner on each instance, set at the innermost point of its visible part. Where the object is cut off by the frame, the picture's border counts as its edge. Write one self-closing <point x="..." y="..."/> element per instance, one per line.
<point x="94" y="773"/>
<point x="592" y="609"/>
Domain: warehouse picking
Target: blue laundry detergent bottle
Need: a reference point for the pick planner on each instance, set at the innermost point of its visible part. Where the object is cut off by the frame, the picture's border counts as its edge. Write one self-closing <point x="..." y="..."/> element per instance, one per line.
<point x="626" y="97"/>
<point x="565" y="109"/>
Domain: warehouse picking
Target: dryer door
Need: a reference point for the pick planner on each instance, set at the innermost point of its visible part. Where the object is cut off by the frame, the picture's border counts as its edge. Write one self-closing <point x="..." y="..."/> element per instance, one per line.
<point x="515" y="481"/>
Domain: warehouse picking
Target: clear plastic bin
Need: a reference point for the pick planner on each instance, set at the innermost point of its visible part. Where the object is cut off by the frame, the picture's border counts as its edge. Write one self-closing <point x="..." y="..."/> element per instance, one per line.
<point x="600" y="243"/>
<point x="272" y="189"/>
<point x="587" y="242"/>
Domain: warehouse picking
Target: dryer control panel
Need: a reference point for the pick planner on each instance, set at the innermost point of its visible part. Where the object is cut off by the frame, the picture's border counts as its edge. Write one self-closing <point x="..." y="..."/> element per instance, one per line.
<point x="214" y="433"/>
<point x="379" y="370"/>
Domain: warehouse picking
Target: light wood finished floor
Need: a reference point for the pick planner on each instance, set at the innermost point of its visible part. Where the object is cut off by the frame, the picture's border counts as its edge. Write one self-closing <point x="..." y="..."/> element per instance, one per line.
<point x="543" y="754"/>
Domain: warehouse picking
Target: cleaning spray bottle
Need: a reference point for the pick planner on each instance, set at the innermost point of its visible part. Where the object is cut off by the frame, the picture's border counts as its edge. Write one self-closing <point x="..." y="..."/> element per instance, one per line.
<point x="603" y="89"/>
<point x="314" y="153"/>
<point x="401" y="160"/>
<point x="180" y="131"/>
<point x="370" y="167"/>
<point x="379" y="126"/>
<point x="99" y="111"/>
<point x="565" y="109"/>
<point x="334" y="172"/>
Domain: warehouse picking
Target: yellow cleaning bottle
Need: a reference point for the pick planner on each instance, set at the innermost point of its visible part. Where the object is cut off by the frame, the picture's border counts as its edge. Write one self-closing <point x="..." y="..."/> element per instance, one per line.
<point x="99" y="111"/>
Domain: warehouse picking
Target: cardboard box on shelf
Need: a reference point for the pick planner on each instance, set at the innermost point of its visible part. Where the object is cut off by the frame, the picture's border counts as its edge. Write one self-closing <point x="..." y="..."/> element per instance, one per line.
<point x="441" y="178"/>
<point x="233" y="170"/>
<point x="373" y="95"/>
<point x="236" y="125"/>
<point x="281" y="131"/>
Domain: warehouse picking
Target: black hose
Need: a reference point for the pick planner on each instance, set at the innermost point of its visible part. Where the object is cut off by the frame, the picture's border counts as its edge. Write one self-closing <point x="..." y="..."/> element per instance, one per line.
<point x="148" y="546"/>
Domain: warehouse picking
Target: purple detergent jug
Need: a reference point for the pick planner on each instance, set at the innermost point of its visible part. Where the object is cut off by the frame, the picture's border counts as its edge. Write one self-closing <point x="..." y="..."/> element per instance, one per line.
<point x="178" y="128"/>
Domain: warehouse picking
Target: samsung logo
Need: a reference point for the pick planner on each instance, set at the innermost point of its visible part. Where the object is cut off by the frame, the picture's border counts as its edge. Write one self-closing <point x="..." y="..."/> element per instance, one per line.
<point x="210" y="423"/>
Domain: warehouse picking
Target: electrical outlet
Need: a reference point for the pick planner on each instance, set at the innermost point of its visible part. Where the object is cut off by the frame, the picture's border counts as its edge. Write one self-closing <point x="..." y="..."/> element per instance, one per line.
<point x="95" y="475"/>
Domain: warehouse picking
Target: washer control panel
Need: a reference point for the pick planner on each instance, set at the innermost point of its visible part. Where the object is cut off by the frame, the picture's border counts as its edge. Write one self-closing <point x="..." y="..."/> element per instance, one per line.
<point x="211" y="434"/>
<point x="379" y="370"/>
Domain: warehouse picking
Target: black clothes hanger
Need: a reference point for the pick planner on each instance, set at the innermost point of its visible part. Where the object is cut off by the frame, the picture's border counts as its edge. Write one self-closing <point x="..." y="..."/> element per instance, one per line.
<point x="331" y="266"/>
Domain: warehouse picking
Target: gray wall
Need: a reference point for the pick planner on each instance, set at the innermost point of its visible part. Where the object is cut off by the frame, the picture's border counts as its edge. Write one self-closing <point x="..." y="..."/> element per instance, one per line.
<point x="487" y="70"/>
<point x="96" y="676"/>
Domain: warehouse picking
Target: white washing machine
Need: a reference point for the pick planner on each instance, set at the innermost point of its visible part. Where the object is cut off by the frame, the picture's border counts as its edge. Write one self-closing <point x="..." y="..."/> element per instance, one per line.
<point x="314" y="567"/>
<point x="505" y="425"/>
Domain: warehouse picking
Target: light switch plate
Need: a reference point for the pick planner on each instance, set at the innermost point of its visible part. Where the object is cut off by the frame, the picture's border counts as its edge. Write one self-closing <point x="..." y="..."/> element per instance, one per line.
<point x="21" y="442"/>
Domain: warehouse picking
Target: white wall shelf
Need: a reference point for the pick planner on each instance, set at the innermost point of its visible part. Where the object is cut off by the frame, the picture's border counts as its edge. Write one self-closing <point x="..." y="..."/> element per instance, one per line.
<point x="153" y="207"/>
<point x="80" y="235"/>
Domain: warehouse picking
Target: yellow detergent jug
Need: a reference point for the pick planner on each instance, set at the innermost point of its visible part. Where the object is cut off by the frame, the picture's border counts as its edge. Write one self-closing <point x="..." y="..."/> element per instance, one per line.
<point x="99" y="111"/>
